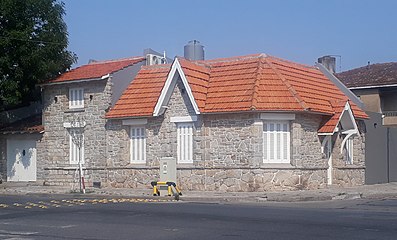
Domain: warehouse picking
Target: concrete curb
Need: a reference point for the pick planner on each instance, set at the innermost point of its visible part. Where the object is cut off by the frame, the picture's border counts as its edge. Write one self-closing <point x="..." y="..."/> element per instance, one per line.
<point x="380" y="191"/>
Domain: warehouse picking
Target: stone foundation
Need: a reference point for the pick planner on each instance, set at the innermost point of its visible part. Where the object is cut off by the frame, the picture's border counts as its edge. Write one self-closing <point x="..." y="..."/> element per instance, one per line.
<point x="224" y="180"/>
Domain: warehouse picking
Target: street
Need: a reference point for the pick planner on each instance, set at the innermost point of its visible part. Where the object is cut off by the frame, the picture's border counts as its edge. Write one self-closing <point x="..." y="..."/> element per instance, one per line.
<point x="65" y="217"/>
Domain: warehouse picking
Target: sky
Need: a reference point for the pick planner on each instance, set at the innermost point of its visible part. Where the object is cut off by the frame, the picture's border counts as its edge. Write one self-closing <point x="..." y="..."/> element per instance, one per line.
<point x="297" y="30"/>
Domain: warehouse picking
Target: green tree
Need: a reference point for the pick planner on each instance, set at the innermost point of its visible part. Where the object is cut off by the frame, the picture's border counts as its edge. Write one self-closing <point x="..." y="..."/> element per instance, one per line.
<point x="33" y="47"/>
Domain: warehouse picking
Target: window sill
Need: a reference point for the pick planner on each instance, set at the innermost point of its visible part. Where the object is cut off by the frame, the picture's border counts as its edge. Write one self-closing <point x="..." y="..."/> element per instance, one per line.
<point x="277" y="165"/>
<point x="138" y="164"/>
<point x="185" y="165"/>
<point x="72" y="110"/>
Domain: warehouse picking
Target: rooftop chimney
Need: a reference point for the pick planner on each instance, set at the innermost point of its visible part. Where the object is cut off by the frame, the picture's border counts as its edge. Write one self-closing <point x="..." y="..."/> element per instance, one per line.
<point x="194" y="51"/>
<point x="328" y="62"/>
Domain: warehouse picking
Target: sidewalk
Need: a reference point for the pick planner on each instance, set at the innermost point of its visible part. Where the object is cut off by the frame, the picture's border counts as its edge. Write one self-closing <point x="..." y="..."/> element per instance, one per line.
<point x="377" y="191"/>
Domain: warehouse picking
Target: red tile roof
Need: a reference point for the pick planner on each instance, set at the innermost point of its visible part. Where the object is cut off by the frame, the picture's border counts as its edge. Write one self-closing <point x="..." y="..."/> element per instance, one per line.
<point x="329" y="123"/>
<point x="254" y="82"/>
<point x="379" y="74"/>
<point x="31" y="124"/>
<point x="140" y="98"/>
<point x="96" y="69"/>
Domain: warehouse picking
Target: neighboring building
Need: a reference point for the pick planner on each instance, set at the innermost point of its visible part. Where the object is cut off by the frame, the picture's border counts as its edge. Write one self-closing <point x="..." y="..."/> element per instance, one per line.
<point x="376" y="86"/>
<point x="18" y="149"/>
<point x="20" y="130"/>
<point x="250" y="123"/>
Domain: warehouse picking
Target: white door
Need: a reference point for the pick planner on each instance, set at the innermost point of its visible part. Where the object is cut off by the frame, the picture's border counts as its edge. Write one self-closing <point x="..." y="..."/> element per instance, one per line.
<point x="21" y="160"/>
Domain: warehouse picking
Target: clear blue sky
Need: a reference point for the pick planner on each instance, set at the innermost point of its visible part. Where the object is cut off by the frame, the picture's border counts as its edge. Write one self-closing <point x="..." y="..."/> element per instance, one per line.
<point x="297" y="30"/>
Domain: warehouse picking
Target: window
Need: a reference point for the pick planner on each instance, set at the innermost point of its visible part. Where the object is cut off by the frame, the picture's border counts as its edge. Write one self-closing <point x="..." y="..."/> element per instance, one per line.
<point x="276" y="142"/>
<point x="76" y="98"/>
<point x="349" y="150"/>
<point x="76" y="143"/>
<point x="137" y="144"/>
<point x="185" y="142"/>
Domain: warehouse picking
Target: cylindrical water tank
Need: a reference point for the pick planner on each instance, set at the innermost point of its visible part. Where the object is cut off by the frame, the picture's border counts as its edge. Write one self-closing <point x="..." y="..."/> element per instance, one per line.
<point x="194" y="51"/>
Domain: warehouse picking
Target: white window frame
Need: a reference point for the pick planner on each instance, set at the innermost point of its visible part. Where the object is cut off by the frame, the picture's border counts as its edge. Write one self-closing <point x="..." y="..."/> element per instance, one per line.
<point x="185" y="142"/>
<point x="276" y="141"/>
<point x="349" y="146"/>
<point x="74" y="154"/>
<point x="138" y="144"/>
<point x="76" y="98"/>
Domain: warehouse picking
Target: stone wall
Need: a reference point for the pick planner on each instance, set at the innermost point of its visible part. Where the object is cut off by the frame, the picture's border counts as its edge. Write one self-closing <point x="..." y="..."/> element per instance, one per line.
<point x="228" y="153"/>
<point x="55" y="167"/>
<point x="345" y="174"/>
<point x="228" y="148"/>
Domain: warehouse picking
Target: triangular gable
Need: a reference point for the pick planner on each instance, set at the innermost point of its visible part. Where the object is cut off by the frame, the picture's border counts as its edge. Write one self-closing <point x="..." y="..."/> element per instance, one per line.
<point x="175" y="72"/>
<point x="344" y="117"/>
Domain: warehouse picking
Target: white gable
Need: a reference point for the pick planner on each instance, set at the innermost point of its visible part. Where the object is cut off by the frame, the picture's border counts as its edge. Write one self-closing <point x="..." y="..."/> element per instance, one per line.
<point x="175" y="73"/>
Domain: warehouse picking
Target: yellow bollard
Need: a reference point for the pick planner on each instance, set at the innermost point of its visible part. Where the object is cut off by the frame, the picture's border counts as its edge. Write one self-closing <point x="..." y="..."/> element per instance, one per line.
<point x="155" y="191"/>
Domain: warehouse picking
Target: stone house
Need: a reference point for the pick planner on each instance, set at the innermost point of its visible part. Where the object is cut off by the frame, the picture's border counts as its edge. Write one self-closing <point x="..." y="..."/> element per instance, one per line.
<point x="74" y="104"/>
<point x="250" y="123"/>
<point x="376" y="86"/>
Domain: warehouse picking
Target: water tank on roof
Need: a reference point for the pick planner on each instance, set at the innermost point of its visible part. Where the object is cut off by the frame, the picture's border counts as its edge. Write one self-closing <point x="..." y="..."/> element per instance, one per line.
<point x="194" y="50"/>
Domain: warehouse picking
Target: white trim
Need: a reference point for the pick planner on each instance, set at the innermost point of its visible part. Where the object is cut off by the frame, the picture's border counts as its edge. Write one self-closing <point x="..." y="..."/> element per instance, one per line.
<point x="347" y="108"/>
<point x="345" y="140"/>
<point x="325" y="134"/>
<point x="137" y="121"/>
<point x="277" y="116"/>
<point x="366" y="87"/>
<point x="328" y="141"/>
<point x="105" y="76"/>
<point x="70" y="81"/>
<point x="338" y="83"/>
<point x="183" y="119"/>
<point x="74" y="125"/>
<point x="168" y="86"/>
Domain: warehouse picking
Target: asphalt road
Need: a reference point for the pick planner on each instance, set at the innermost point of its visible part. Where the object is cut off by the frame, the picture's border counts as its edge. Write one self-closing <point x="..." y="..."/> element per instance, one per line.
<point x="63" y="217"/>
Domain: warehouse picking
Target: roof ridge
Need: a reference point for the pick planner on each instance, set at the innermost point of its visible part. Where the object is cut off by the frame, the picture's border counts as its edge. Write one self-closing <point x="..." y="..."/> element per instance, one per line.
<point x="290" y="88"/>
<point x="255" y="94"/>
<point x="365" y="67"/>
<point x="156" y="66"/>
<point x="232" y="59"/>
<point x="292" y="63"/>
<point x="115" y="60"/>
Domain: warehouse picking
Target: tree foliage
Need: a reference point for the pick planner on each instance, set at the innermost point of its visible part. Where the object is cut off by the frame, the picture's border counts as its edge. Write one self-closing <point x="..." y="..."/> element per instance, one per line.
<point x="33" y="42"/>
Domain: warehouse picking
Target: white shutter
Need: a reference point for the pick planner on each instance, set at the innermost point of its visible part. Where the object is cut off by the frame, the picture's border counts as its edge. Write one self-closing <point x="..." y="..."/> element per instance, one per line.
<point x="185" y="142"/>
<point x="349" y="150"/>
<point x="138" y="145"/>
<point x="76" y="98"/>
<point x="74" y="152"/>
<point x="276" y="142"/>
